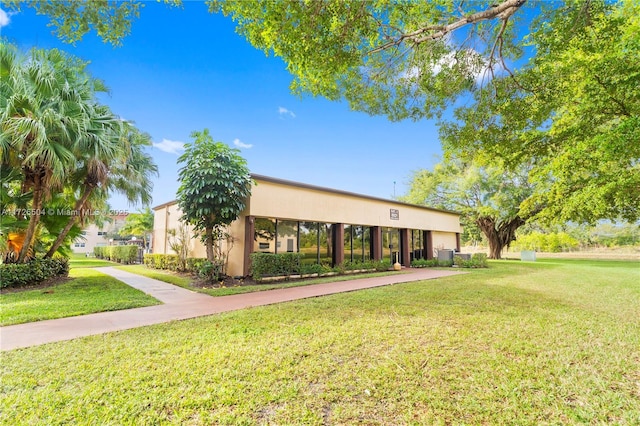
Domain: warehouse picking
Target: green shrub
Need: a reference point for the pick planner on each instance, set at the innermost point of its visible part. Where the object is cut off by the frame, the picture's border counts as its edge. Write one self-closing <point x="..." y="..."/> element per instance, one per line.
<point x="99" y="252"/>
<point x="269" y="264"/>
<point x="196" y="265"/>
<point x="314" y="268"/>
<point x="478" y="260"/>
<point x="424" y="263"/>
<point x="211" y="271"/>
<point x="357" y="265"/>
<point x="381" y="265"/>
<point x="120" y="254"/>
<point x="162" y="261"/>
<point x="552" y="242"/>
<point x="15" y="275"/>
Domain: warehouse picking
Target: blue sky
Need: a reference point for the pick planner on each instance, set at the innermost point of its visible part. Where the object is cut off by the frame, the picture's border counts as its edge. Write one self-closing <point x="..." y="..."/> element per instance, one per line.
<point x="184" y="69"/>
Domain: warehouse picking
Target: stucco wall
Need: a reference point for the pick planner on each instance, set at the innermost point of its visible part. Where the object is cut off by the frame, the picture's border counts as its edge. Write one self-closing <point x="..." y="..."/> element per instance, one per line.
<point x="442" y="240"/>
<point x="167" y="217"/>
<point x="269" y="199"/>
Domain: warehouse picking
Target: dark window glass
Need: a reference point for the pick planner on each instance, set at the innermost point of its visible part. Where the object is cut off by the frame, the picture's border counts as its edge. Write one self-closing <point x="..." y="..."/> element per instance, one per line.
<point x="390" y="245"/>
<point x="417" y="249"/>
<point x="366" y="243"/>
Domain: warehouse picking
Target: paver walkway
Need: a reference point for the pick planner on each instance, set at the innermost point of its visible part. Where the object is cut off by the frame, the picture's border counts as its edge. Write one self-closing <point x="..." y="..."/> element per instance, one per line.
<point x="179" y="304"/>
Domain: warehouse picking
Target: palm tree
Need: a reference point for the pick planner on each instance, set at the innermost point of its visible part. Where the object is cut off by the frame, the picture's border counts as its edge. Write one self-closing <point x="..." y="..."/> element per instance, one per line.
<point x="138" y="224"/>
<point x="126" y="169"/>
<point x="48" y="104"/>
<point x="56" y="133"/>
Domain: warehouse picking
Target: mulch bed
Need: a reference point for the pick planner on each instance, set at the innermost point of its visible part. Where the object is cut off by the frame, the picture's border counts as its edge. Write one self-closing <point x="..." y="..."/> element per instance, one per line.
<point x="227" y="282"/>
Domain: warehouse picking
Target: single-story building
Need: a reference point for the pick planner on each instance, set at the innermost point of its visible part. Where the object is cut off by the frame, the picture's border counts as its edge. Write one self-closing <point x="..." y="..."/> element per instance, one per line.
<point x="327" y="226"/>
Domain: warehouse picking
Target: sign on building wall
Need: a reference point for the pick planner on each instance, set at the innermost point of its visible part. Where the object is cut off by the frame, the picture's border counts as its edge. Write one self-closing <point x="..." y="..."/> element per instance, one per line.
<point x="395" y="214"/>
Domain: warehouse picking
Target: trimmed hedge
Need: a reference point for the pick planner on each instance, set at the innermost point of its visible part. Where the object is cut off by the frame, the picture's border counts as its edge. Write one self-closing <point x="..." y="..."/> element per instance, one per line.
<point x="430" y="263"/>
<point x="478" y="260"/>
<point x="13" y="275"/>
<point x="120" y="254"/>
<point x="269" y="264"/>
<point x="162" y="261"/>
<point x="287" y="264"/>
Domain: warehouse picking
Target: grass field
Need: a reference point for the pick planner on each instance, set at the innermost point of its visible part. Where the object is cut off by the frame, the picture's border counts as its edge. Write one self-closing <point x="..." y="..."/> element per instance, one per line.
<point x="554" y="342"/>
<point x="88" y="292"/>
<point x="80" y="261"/>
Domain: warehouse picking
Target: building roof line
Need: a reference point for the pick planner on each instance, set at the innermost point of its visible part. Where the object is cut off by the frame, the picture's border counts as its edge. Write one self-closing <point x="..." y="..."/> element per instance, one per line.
<point x="258" y="177"/>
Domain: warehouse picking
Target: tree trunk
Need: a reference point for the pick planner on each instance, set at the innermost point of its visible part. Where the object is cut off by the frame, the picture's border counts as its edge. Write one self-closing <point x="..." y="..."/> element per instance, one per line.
<point x="34" y="218"/>
<point x="499" y="236"/>
<point x="72" y="221"/>
<point x="209" y="243"/>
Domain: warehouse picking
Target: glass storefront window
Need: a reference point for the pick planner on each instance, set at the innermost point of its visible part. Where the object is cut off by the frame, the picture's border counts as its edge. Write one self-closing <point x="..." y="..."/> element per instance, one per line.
<point x="390" y="245"/>
<point x="264" y="239"/>
<point x="348" y="243"/>
<point x="326" y="246"/>
<point x="287" y="236"/>
<point x="366" y="243"/>
<point x="309" y="242"/>
<point x="417" y="245"/>
<point x="315" y="240"/>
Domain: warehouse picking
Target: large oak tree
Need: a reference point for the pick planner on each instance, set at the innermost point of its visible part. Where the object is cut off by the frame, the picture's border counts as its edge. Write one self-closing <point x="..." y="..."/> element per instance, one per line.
<point x="488" y="196"/>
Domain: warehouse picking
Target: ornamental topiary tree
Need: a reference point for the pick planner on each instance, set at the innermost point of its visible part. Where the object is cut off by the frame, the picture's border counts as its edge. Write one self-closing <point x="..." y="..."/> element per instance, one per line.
<point x="214" y="186"/>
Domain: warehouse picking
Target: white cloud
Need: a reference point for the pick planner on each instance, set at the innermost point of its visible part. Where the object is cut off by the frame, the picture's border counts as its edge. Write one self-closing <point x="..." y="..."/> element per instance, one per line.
<point x="172" y="147"/>
<point x="284" y="112"/>
<point x="4" y="18"/>
<point x="240" y="144"/>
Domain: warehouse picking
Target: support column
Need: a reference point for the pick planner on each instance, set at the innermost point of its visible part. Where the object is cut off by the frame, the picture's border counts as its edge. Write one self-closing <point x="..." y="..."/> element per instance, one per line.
<point x="405" y="259"/>
<point x="428" y="244"/>
<point x="458" y="242"/>
<point x="338" y="243"/>
<point x="376" y="242"/>
<point x="249" y="234"/>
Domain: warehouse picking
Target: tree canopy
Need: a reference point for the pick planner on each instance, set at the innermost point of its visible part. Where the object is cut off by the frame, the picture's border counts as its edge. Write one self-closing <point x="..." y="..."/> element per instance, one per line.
<point x="215" y="184"/>
<point x="575" y="115"/>
<point x="551" y="85"/>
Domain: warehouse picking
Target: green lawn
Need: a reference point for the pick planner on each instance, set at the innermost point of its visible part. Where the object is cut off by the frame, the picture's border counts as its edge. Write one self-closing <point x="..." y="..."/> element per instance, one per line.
<point x="186" y="282"/>
<point x="80" y="261"/>
<point x="553" y="342"/>
<point x="89" y="291"/>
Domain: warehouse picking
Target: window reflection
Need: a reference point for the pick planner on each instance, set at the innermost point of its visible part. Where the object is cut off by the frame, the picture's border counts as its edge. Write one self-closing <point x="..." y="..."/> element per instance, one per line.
<point x="309" y="242"/>
<point x="287" y="236"/>
<point x="264" y="235"/>
<point x="315" y="240"/>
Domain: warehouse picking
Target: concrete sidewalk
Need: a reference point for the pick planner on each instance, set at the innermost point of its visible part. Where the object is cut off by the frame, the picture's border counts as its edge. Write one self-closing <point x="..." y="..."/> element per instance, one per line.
<point x="179" y="304"/>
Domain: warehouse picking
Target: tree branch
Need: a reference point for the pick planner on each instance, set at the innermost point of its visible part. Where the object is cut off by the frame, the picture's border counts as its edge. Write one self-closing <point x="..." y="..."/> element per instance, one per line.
<point x="434" y="32"/>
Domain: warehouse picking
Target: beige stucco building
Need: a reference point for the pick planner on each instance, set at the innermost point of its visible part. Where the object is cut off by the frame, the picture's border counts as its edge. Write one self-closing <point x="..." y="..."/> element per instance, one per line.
<point x="325" y="225"/>
<point x="98" y="236"/>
